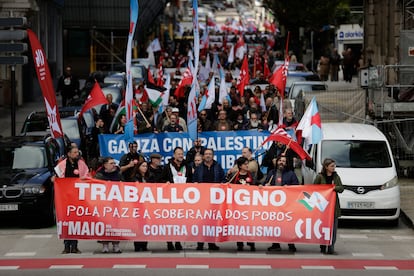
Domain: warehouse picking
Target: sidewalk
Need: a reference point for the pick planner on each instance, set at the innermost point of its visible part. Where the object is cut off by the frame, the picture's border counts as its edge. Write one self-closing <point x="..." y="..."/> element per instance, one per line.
<point x="406" y="184"/>
<point x="21" y="114"/>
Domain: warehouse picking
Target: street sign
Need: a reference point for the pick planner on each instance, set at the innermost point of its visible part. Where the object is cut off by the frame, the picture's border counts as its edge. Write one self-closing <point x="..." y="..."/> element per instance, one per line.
<point x="12" y="34"/>
<point x="13" y="47"/>
<point x="12" y="60"/>
<point x="13" y="21"/>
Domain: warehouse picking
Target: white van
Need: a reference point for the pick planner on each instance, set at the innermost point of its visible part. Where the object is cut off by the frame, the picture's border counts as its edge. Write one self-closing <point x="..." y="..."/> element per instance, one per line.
<point x="366" y="166"/>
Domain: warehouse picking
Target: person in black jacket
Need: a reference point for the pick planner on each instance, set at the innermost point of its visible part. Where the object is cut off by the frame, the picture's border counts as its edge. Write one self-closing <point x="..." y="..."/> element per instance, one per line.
<point x="68" y="86"/>
<point x="109" y="171"/>
<point x="129" y="160"/>
<point x="177" y="171"/>
<point x="210" y="171"/>
<point x="155" y="168"/>
<point x="197" y="148"/>
<point x="281" y="176"/>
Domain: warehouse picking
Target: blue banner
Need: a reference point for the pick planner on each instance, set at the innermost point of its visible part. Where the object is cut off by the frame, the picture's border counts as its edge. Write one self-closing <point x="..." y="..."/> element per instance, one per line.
<point x="227" y="145"/>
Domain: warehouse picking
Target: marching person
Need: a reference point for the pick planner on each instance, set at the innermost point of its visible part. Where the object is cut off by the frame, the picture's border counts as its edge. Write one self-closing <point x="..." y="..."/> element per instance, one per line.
<point x="129" y="160"/>
<point x="140" y="173"/>
<point x="243" y="177"/>
<point x="71" y="166"/>
<point x="111" y="172"/>
<point x="177" y="171"/>
<point x="155" y="168"/>
<point x="281" y="176"/>
<point x="328" y="175"/>
<point x="210" y="171"/>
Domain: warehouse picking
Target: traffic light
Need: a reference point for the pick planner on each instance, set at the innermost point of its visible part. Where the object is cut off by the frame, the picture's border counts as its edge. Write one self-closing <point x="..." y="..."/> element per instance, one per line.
<point x="10" y="40"/>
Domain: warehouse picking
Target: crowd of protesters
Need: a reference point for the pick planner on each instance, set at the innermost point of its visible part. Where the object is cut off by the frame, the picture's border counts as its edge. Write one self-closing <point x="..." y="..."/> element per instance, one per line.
<point x="257" y="107"/>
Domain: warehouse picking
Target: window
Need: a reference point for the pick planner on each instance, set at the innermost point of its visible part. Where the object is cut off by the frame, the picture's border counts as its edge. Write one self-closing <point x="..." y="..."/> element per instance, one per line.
<point x="29" y="157"/>
<point x="357" y="154"/>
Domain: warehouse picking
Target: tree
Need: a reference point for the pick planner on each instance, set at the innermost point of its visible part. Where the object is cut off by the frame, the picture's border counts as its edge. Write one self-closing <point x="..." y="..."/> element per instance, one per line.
<point x="311" y="15"/>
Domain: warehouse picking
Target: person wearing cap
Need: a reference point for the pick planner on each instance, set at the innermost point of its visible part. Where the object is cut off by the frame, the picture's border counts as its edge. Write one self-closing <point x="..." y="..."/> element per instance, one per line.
<point x="129" y="160"/>
<point x="180" y="120"/>
<point x="177" y="171"/>
<point x="155" y="168"/>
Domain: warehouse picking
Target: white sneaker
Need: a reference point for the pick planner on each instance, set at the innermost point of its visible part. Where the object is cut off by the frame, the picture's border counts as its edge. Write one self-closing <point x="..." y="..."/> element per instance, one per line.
<point x="105" y="249"/>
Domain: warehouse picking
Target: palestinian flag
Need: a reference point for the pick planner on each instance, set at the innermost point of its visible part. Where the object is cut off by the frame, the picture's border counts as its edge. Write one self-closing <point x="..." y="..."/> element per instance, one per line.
<point x="154" y="96"/>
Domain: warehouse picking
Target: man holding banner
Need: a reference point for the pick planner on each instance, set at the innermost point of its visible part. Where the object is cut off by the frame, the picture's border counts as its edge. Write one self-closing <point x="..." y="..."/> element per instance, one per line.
<point x="281" y="176"/>
<point x="72" y="166"/>
<point x="210" y="171"/>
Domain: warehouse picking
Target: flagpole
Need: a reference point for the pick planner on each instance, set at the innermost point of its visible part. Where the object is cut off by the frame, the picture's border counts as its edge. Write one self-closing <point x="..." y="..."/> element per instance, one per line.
<point x="140" y="111"/>
<point x="287" y="147"/>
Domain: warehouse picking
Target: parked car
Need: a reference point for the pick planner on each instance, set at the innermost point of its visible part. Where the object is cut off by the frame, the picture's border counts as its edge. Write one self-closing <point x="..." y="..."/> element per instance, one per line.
<point x="139" y="73"/>
<point x="365" y="163"/>
<point x="26" y="168"/>
<point x="297" y="92"/>
<point x="77" y="131"/>
<point x="295" y="76"/>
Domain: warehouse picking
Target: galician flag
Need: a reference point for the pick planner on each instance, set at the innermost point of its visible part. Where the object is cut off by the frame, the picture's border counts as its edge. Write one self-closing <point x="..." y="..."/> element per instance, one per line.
<point x="310" y="125"/>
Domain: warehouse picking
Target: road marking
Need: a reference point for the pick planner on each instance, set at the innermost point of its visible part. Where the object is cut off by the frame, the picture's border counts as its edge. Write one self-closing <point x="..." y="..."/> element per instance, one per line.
<point x="9" y="267"/>
<point x="399" y="238"/>
<point x="353" y="236"/>
<point x="20" y="254"/>
<point x="367" y="254"/>
<point x="45" y="236"/>
<point x="380" y="268"/>
<point x="317" y="267"/>
<point x="128" y="266"/>
<point x="192" y="266"/>
<point x="255" y="267"/>
<point x="65" y="266"/>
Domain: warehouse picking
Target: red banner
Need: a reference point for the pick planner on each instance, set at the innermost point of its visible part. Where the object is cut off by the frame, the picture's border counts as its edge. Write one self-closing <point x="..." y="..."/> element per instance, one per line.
<point x="104" y="210"/>
<point x="46" y="84"/>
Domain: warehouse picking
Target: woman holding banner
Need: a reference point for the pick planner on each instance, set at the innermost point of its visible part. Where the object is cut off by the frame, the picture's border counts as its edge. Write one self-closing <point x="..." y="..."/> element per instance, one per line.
<point x="141" y="174"/>
<point x="328" y="175"/>
<point x="243" y="177"/>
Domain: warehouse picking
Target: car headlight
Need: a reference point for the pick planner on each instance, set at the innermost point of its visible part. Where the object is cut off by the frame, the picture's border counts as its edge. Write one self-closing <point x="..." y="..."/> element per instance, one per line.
<point x="391" y="183"/>
<point x="34" y="189"/>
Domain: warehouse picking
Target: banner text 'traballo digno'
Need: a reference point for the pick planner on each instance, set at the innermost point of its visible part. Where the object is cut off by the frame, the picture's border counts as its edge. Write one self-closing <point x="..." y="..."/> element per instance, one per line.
<point x="104" y="210"/>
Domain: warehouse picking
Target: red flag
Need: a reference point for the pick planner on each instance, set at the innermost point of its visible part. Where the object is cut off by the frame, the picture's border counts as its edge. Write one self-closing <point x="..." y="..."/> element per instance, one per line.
<point x="186" y="80"/>
<point x="150" y="77"/>
<point x="257" y="63"/>
<point x="95" y="97"/>
<point x="280" y="135"/>
<point x="278" y="79"/>
<point x="266" y="70"/>
<point x="46" y="85"/>
<point x="160" y="77"/>
<point x="244" y="77"/>
<point x="240" y="48"/>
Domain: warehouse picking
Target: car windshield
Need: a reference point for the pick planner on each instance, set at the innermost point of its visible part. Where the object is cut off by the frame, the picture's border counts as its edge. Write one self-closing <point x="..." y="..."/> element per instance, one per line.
<point x="71" y="129"/>
<point x="297" y="89"/>
<point x="29" y="157"/>
<point x="291" y="79"/>
<point x="137" y="72"/>
<point x="357" y="154"/>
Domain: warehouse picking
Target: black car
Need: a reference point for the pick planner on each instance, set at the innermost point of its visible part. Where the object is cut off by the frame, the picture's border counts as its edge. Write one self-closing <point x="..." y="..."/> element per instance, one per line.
<point x="75" y="130"/>
<point x="26" y="168"/>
